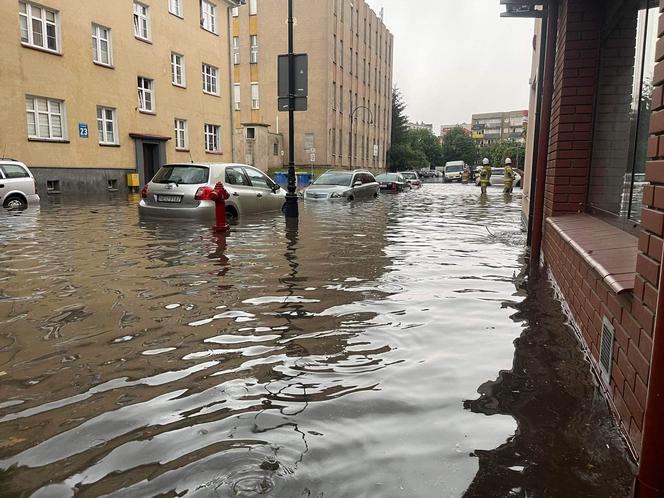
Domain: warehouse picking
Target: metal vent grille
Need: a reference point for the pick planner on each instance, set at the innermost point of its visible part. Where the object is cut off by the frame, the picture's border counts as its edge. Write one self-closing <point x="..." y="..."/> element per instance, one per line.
<point x="606" y="349"/>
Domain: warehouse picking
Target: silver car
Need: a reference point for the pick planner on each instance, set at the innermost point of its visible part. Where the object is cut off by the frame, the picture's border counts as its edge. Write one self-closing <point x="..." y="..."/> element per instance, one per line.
<point x="342" y="184"/>
<point x="18" y="188"/>
<point x="498" y="178"/>
<point x="183" y="191"/>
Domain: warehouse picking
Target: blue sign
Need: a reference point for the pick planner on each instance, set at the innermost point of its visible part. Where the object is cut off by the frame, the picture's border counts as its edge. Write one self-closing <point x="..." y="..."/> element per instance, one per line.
<point x="83" y="130"/>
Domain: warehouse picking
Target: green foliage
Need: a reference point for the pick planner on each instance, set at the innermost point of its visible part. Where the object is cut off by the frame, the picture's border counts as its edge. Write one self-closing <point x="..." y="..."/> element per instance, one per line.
<point x="399" y="118"/>
<point x="403" y="156"/>
<point x="498" y="152"/>
<point x="459" y="146"/>
<point x="427" y="143"/>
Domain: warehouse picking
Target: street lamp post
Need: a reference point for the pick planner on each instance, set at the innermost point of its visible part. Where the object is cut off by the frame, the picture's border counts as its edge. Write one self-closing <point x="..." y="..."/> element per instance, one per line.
<point x="350" y="140"/>
<point x="292" y="210"/>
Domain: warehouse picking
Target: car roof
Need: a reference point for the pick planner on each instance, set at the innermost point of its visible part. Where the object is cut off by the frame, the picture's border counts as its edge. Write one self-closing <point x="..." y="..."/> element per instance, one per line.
<point x="211" y="165"/>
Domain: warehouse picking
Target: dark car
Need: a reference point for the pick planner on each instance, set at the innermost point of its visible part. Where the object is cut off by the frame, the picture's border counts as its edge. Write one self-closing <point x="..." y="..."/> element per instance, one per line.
<point x="392" y="181"/>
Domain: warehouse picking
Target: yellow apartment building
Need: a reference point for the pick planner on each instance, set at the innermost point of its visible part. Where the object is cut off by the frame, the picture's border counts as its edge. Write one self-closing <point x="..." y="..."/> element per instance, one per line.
<point x="350" y="72"/>
<point x="93" y="90"/>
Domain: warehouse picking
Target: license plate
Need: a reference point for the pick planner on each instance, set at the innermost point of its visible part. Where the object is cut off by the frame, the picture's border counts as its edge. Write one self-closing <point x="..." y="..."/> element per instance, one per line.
<point x="169" y="198"/>
<point x="383" y="185"/>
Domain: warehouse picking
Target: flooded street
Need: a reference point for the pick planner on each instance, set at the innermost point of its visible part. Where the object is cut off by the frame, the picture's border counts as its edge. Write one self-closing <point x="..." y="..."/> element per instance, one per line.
<point x="359" y="356"/>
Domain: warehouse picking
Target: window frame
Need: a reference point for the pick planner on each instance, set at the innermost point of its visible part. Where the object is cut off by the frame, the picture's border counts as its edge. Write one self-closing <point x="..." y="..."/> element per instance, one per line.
<point x="45" y="23"/>
<point x="209" y="16"/>
<point x="253" y="44"/>
<point x="255" y="96"/>
<point x="178" y="11"/>
<point x="236" y="50"/>
<point x="210" y="76"/>
<point x="214" y="131"/>
<point x="35" y="111"/>
<point x="142" y="91"/>
<point x="104" y="122"/>
<point x="174" y="65"/>
<point x="184" y="146"/>
<point x="97" y="40"/>
<point x="253" y="7"/>
<point x="237" y="97"/>
<point x="138" y="16"/>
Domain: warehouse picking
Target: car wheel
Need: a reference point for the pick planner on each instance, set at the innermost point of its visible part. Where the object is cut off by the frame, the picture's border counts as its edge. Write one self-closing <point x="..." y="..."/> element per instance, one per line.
<point x="351" y="198"/>
<point x="375" y="195"/>
<point x="231" y="215"/>
<point x="15" y="202"/>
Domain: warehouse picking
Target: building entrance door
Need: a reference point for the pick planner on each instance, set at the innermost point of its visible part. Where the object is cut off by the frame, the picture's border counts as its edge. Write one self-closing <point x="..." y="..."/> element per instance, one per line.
<point x="150" y="155"/>
<point x="150" y="161"/>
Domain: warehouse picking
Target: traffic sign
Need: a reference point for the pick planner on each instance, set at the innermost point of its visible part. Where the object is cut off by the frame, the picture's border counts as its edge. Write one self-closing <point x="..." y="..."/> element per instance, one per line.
<point x="300" y="72"/>
<point x="300" y="104"/>
<point x="312" y="157"/>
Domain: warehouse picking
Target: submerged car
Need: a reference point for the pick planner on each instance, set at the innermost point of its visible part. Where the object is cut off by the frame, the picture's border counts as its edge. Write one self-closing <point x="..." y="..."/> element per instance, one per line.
<point x="341" y="184"/>
<point x="498" y="178"/>
<point x="412" y="178"/>
<point x="394" y="182"/>
<point x="183" y="191"/>
<point x="18" y="188"/>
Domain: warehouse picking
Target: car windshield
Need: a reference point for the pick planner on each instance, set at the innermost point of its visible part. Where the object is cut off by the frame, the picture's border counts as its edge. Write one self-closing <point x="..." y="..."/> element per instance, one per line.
<point x="388" y="177"/>
<point x="184" y="174"/>
<point x="409" y="175"/>
<point x="453" y="169"/>
<point x="334" y="178"/>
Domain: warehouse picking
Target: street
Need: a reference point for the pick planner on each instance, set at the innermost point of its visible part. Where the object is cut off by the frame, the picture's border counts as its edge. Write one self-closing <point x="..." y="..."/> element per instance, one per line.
<point x="369" y="353"/>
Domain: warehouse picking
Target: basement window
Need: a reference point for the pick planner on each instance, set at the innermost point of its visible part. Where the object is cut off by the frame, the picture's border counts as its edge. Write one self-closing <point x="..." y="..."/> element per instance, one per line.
<point x="251" y="133"/>
<point x="52" y="186"/>
<point x="606" y="349"/>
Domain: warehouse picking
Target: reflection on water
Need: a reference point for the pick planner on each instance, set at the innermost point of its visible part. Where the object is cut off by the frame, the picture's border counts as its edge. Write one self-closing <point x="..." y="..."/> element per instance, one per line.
<point x="143" y="358"/>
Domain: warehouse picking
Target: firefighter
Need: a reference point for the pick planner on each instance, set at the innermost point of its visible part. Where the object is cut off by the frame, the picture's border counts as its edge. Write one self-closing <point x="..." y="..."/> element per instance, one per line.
<point x="508" y="177"/>
<point x="485" y="175"/>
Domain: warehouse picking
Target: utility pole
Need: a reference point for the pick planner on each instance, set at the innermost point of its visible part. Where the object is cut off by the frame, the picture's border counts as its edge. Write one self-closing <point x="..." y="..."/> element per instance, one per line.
<point x="292" y="209"/>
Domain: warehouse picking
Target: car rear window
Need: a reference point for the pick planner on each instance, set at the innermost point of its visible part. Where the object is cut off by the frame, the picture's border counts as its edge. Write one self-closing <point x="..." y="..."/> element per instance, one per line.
<point x="14" y="171"/>
<point x="182" y="174"/>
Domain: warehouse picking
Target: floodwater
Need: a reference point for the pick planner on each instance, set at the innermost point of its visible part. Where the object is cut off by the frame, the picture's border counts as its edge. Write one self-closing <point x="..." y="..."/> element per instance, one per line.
<point x="369" y="353"/>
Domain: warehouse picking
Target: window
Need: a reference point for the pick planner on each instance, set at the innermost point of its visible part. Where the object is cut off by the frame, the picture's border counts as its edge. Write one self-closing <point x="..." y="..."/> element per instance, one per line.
<point x="258" y="179"/>
<point x="39" y="26"/>
<point x="254" y="49"/>
<point x="175" y="7"/>
<point x="334" y="95"/>
<point x="341" y="10"/>
<point x="251" y="133"/>
<point x="236" y="50"/>
<point x="333" y="141"/>
<point x="14" y="171"/>
<point x="236" y="176"/>
<point x="101" y="45"/>
<point x="177" y="69"/>
<point x="622" y="116"/>
<point x="255" y="96"/>
<point x="341" y="99"/>
<point x="181" y="134"/>
<point x="341" y="53"/>
<point x="357" y="64"/>
<point x="334" y="6"/>
<point x="236" y="96"/>
<point x="46" y="118"/>
<point x="208" y="16"/>
<point x="107" y="125"/>
<point x="253" y="7"/>
<point x="145" y="94"/>
<point x="212" y="138"/>
<point x="141" y="21"/>
<point x="235" y="11"/>
<point x="210" y="76"/>
<point x="334" y="48"/>
<point x="275" y="149"/>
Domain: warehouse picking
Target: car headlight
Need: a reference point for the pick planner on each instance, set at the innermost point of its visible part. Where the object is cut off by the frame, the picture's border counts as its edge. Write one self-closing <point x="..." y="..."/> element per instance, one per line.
<point x="335" y="195"/>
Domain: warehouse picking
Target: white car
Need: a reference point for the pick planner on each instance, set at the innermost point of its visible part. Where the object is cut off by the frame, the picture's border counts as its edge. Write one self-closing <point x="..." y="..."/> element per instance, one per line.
<point x="183" y="191"/>
<point x="18" y="188"/>
<point x="498" y="178"/>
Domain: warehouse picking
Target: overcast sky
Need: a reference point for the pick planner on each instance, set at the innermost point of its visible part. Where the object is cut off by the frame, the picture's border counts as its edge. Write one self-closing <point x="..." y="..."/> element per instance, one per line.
<point x="453" y="58"/>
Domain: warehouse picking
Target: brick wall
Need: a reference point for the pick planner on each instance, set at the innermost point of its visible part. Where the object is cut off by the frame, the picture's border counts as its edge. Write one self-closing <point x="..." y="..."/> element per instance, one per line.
<point x="589" y="300"/>
<point x="570" y="139"/>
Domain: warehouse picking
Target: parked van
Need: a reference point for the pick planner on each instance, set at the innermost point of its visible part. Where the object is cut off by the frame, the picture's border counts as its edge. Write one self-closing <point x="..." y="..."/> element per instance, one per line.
<point x="453" y="171"/>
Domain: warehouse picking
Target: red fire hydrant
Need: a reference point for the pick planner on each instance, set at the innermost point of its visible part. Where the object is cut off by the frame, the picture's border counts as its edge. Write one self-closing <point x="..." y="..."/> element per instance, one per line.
<point x="219" y="196"/>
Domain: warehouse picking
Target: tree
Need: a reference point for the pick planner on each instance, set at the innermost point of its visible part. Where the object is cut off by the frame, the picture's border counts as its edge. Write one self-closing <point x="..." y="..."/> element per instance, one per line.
<point x="459" y="146"/>
<point x="426" y="142"/>
<point x="399" y="118"/>
<point x="402" y="157"/>
<point x="497" y="153"/>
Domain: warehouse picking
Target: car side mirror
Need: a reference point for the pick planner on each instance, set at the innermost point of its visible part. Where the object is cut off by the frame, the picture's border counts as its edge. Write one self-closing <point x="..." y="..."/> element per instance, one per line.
<point x="275" y="188"/>
<point x="357" y="184"/>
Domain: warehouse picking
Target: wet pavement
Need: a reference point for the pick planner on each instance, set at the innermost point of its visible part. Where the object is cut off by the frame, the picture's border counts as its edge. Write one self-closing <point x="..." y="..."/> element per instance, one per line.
<point x="384" y="349"/>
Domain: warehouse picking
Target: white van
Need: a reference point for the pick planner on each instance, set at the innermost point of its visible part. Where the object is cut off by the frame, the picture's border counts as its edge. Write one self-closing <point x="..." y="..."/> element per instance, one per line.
<point x="453" y="171"/>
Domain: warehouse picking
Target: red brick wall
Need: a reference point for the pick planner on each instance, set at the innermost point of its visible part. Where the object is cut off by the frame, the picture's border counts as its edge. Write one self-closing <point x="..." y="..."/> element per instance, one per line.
<point x="589" y="300"/>
<point x="570" y="138"/>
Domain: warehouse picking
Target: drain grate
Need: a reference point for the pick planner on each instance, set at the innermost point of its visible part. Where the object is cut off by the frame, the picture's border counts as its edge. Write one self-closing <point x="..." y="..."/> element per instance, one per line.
<point x="606" y="349"/>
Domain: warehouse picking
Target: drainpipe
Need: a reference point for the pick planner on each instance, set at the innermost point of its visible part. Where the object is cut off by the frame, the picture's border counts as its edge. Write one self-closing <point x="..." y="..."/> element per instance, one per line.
<point x="231" y="88"/>
<point x="543" y="138"/>
<point x="650" y="478"/>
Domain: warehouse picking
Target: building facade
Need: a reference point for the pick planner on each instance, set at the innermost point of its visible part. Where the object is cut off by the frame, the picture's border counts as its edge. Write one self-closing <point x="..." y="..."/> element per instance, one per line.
<point x="420" y="126"/>
<point x="350" y="74"/>
<point x="597" y="211"/>
<point x="495" y="127"/>
<point x="94" y="90"/>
